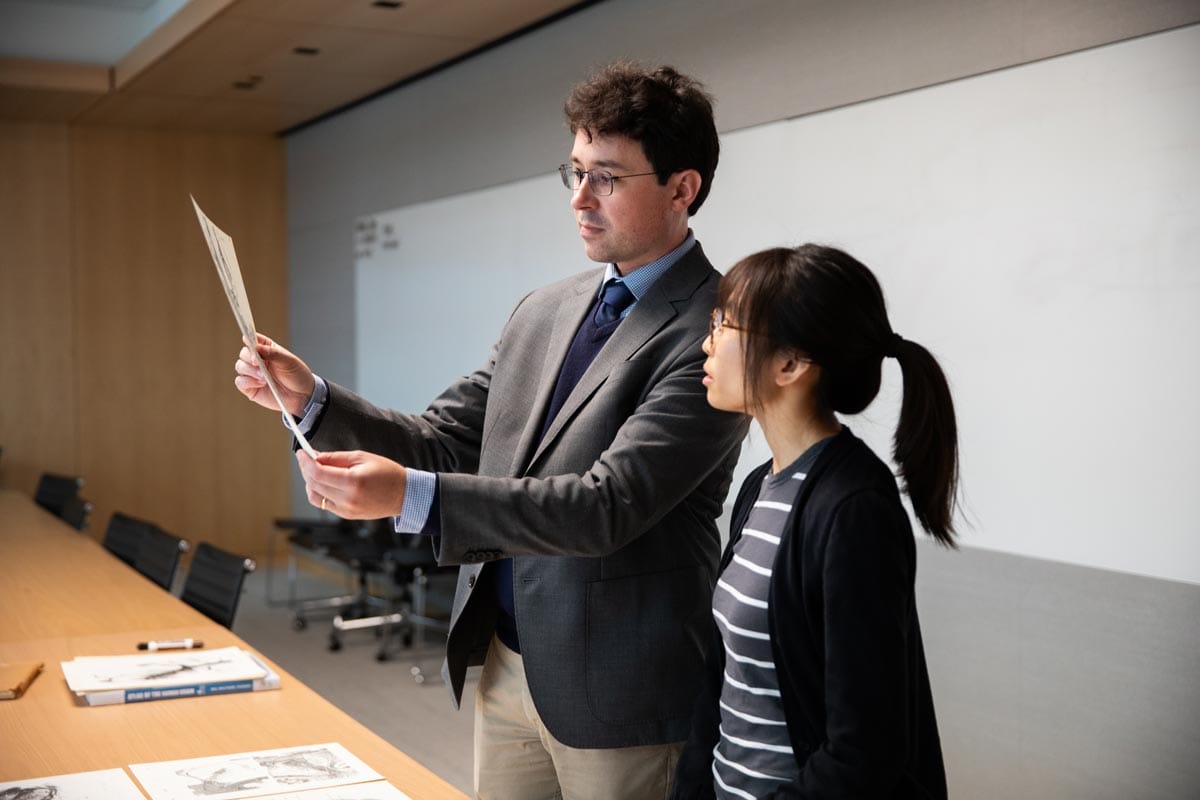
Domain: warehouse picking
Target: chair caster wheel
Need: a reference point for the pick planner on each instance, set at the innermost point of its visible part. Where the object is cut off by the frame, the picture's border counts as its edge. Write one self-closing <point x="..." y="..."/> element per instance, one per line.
<point x="381" y="657"/>
<point x="299" y="624"/>
<point x="335" y="643"/>
<point x="407" y="639"/>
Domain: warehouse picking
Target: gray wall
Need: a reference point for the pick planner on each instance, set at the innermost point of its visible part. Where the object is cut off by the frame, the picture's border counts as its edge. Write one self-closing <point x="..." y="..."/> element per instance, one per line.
<point x="1056" y="681"/>
<point x="1052" y="680"/>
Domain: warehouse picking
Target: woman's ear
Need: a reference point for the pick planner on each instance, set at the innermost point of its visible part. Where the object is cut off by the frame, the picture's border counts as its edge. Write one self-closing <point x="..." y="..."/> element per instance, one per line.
<point x="791" y="368"/>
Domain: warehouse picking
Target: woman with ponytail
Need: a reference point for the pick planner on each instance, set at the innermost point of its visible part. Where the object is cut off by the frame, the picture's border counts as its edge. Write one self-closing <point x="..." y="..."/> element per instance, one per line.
<point x="817" y="683"/>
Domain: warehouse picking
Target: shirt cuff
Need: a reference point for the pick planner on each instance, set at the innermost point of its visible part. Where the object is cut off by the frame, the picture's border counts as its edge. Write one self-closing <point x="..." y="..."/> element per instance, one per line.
<point x="314" y="406"/>
<point x="419" y="490"/>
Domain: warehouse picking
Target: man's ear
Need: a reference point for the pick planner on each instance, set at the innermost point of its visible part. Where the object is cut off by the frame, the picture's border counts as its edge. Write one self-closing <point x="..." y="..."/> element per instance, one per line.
<point x="687" y="186"/>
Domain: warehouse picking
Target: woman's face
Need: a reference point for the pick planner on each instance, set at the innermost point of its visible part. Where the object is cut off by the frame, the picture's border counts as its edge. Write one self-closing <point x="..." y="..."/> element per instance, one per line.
<point x="725" y="367"/>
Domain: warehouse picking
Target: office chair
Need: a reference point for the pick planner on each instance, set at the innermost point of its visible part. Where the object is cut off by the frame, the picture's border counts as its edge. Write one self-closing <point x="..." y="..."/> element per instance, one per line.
<point x="77" y="513"/>
<point x="158" y="556"/>
<point x="310" y="536"/>
<point x="146" y="547"/>
<point x="123" y="536"/>
<point x="409" y="562"/>
<point x="53" y="491"/>
<point x="214" y="582"/>
<point x="359" y="547"/>
<point x="313" y="538"/>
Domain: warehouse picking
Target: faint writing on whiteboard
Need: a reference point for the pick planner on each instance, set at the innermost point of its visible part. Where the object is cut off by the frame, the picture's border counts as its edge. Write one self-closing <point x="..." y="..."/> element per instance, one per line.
<point x="370" y="236"/>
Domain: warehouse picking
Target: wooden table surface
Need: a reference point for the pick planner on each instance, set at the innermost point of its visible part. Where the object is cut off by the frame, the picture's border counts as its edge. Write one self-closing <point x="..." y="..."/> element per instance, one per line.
<point x="62" y="595"/>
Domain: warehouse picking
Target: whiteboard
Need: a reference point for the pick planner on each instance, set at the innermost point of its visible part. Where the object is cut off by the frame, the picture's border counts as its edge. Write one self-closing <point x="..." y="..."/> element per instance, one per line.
<point x="1038" y="228"/>
<point x="435" y="282"/>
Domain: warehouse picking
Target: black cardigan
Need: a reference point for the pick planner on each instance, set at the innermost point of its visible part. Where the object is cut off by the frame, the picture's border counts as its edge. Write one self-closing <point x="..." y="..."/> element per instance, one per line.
<point x="847" y="644"/>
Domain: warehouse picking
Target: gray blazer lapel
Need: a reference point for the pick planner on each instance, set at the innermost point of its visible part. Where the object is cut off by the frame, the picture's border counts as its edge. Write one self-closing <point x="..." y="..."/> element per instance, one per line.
<point x="570" y="315"/>
<point x="654" y="311"/>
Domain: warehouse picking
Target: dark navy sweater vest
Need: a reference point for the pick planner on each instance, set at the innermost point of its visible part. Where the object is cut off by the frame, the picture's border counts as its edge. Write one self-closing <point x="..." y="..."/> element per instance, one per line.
<point x="587" y="343"/>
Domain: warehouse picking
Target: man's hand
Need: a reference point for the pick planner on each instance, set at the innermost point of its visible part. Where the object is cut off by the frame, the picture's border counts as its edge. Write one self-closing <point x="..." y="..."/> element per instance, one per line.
<point x="354" y="484"/>
<point x="293" y="378"/>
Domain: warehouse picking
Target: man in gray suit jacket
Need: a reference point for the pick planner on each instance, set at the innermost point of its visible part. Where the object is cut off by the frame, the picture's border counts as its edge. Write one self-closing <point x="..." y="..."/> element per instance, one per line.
<point x="577" y="475"/>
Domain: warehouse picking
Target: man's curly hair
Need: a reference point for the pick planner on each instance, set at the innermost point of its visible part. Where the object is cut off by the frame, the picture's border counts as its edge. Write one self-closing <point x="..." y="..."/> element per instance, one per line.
<point x="668" y="113"/>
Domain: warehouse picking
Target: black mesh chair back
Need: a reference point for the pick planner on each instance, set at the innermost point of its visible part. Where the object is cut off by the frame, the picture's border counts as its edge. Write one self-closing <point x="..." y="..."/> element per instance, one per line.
<point x="214" y="582"/>
<point x="77" y="513"/>
<point x="123" y="536"/>
<point x="54" y="491"/>
<point x="158" y="556"/>
<point x="413" y="551"/>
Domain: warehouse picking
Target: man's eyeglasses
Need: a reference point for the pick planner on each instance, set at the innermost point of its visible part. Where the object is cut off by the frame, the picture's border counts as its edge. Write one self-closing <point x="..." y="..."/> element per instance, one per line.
<point x="717" y="322"/>
<point x="601" y="180"/>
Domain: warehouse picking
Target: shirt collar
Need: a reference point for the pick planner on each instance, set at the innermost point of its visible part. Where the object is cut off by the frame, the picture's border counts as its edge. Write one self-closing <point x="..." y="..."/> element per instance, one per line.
<point x="641" y="279"/>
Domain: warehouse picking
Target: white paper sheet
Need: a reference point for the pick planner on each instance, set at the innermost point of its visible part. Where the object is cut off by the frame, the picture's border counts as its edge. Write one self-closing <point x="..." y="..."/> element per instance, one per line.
<point x="220" y="246"/>
<point x="376" y="790"/>
<point x="254" y="774"/>
<point x="104" y="784"/>
<point x="149" y="670"/>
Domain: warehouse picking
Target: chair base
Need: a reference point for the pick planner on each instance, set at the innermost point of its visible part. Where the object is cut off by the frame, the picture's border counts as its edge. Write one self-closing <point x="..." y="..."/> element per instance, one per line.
<point x="348" y="606"/>
<point x="404" y="623"/>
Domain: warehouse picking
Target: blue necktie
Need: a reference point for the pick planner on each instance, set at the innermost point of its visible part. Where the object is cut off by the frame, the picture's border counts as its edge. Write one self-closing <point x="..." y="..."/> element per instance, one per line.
<point x="615" y="299"/>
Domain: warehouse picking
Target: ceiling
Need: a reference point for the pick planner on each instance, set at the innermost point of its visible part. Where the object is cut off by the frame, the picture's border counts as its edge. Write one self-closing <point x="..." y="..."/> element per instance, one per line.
<point x="247" y="65"/>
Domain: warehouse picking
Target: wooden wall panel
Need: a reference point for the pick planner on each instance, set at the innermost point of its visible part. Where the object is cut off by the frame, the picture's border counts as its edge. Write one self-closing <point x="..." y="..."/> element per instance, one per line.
<point x="162" y="432"/>
<point x="37" y="323"/>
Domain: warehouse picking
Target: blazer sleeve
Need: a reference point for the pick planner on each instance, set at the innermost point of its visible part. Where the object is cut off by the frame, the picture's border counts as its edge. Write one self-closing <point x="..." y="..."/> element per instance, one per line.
<point x="671" y="444"/>
<point x="866" y="591"/>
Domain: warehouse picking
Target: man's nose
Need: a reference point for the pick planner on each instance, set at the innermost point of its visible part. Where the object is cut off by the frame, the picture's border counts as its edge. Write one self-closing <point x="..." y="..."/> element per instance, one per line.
<point x="583" y="197"/>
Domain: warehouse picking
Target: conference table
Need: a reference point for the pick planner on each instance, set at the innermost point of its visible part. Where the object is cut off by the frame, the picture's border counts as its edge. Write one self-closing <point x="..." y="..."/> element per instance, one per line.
<point x="62" y="595"/>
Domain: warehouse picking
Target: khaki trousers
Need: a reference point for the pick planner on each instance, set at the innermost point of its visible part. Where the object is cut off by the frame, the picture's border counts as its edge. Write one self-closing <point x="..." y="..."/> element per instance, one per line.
<point x="516" y="758"/>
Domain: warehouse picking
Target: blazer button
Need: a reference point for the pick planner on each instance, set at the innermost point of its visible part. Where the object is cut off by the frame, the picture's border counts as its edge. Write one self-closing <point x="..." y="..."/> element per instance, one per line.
<point x="471" y="582"/>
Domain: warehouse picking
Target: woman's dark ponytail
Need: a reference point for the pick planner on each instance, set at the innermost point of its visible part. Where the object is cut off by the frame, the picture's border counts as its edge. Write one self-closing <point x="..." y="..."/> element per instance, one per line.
<point x="926" y="441"/>
<point x="828" y="306"/>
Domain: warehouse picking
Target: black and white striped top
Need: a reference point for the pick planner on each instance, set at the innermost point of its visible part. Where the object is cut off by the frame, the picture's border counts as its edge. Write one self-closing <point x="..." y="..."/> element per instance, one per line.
<point x="754" y="754"/>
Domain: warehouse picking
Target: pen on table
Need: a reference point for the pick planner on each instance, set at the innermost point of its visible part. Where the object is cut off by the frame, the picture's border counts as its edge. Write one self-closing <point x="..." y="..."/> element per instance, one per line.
<point x="171" y="644"/>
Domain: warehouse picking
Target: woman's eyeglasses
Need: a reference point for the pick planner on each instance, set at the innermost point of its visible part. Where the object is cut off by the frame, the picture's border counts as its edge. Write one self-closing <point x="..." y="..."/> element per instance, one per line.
<point x="718" y="322"/>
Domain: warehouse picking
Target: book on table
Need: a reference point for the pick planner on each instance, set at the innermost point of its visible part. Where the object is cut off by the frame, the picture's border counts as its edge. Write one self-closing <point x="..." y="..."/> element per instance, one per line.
<point x="106" y="680"/>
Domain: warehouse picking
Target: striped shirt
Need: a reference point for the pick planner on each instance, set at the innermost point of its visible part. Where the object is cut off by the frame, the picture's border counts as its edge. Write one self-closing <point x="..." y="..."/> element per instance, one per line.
<point x="754" y="754"/>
